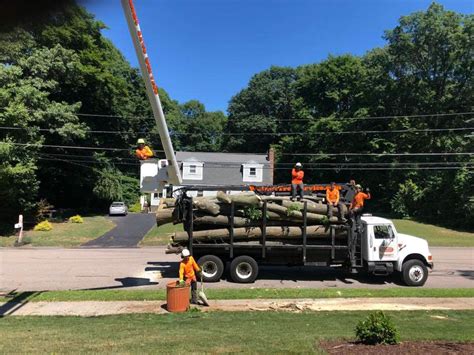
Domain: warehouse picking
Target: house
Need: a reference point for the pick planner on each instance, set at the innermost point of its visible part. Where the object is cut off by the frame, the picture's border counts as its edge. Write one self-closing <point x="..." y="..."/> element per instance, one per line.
<point x="225" y="169"/>
<point x="229" y="170"/>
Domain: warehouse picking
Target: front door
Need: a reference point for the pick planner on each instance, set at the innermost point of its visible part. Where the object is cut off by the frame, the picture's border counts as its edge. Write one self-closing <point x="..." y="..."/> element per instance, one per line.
<point x="382" y="243"/>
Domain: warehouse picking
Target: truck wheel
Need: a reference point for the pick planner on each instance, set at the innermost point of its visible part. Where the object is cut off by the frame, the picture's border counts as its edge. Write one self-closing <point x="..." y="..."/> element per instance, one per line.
<point x="243" y="269"/>
<point x="414" y="273"/>
<point x="212" y="268"/>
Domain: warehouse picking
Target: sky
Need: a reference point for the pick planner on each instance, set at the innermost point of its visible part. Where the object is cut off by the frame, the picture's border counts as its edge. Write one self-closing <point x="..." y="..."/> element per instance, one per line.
<point x="209" y="49"/>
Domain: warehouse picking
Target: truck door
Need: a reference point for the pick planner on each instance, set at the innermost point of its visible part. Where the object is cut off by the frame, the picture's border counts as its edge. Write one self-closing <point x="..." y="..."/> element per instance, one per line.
<point x="382" y="243"/>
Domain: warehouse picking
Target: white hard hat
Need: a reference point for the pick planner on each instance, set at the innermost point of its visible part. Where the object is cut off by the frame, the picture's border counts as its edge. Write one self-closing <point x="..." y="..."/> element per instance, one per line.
<point x="298" y="164"/>
<point x="185" y="253"/>
<point x="140" y="141"/>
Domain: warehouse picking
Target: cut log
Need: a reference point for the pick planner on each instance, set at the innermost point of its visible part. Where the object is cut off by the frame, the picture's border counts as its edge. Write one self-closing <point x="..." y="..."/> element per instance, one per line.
<point x="207" y="206"/>
<point x="240" y="199"/>
<point x="164" y="216"/>
<point x="255" y="233"/>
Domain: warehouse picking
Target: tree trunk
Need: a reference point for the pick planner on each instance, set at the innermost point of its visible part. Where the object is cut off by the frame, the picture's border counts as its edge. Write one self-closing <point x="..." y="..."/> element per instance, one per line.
<point x="255" y="233"/>
<point x="164" y="216"/>
<point x="240" y="199"/>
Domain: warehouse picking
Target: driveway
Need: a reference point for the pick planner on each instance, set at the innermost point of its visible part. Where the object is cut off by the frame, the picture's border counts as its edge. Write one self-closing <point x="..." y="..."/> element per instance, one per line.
<point x="129" y="231"/>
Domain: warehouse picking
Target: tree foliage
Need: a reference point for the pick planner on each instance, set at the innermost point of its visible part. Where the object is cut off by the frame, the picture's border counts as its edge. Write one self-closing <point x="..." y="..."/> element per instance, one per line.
<point x="425" y="68"/>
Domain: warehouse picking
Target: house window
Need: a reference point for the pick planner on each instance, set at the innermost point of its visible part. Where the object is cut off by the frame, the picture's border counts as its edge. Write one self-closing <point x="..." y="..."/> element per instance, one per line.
<point x="252" y="172"/>
<point x="193" y="170"/>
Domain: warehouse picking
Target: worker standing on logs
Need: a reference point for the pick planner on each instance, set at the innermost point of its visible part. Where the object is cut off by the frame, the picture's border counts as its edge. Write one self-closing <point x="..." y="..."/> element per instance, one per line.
<point x="187" y="273"/>
<point x="297" y="185"/>
<point x="357" y="205"/>
<point x="143" y="151"/>
<point x="332" y="200"/>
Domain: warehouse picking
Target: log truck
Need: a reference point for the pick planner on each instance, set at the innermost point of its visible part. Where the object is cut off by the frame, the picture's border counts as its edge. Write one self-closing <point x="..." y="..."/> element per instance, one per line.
<point x="377" y="248"/>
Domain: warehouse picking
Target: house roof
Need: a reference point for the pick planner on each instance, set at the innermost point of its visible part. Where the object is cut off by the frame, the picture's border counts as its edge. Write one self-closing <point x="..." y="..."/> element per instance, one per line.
<point x="225" y="168"/>
<point x="207" y="157"/>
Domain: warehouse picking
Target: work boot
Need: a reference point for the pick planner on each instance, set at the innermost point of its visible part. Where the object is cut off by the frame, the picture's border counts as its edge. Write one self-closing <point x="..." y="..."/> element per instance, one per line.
<point x="194" y="297"/>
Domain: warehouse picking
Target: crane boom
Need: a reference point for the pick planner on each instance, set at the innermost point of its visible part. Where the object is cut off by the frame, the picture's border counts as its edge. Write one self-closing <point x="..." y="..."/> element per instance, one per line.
<point x="174" y="175"/>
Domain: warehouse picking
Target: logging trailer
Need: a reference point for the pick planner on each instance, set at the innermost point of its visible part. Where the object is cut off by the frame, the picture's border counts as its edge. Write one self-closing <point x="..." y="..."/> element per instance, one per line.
<point x="377" y="249"/>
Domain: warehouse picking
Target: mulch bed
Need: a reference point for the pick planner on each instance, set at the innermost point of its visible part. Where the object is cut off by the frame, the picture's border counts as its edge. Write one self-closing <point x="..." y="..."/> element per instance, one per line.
<point x="406" y="347"/>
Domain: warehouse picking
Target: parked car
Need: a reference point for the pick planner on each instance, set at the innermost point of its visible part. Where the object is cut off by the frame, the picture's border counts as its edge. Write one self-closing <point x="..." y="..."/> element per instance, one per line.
<point x="118" y="208"/>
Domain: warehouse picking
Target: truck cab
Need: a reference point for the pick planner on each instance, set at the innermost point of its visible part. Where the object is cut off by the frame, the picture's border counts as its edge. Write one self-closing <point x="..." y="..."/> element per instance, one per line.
<point x="384" y="251"/>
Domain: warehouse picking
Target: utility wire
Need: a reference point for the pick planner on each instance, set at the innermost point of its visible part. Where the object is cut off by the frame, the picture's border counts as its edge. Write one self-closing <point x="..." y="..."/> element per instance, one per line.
<point x="266" y="133"/>
<point x="424" y="115"/>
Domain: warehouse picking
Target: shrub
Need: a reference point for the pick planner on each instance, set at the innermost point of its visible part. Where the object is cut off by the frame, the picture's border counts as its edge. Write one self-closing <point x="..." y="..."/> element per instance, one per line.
<point x="44" y="226"/>
<point x="135" y="208"/>
<point x="377" y="328"/>
<point x="76" y="219"/>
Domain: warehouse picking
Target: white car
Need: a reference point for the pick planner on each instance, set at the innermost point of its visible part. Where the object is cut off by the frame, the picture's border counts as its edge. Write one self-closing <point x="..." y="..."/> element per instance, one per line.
<point x="118" y="208"/>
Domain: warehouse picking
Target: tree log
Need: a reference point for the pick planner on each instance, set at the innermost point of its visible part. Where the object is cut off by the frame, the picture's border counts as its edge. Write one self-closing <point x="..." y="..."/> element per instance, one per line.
<point x="164" y="216"/>
<point x="255" y="233"/>
<point x="240" y="199"/>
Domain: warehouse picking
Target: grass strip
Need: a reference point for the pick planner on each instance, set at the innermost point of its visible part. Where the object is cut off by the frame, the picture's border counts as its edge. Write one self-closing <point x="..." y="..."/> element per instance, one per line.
<point x="229" y="294"/>
<point x="216" y="332"/>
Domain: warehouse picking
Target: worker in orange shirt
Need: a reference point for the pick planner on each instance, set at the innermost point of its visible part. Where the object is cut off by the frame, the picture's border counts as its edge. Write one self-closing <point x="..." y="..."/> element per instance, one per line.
<point x="297" y="175"/>
<point x="187" y="273"/>
<point x="143" y="151"/>
<point x="357" y="205"/>
<point x="332" y="200"/>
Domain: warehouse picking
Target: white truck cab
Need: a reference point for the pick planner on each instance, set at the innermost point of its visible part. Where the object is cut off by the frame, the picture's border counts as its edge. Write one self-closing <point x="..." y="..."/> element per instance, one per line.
<point x="385" y="251"/>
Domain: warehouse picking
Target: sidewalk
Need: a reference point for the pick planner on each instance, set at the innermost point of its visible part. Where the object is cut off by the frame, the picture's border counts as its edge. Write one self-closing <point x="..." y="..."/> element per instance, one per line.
<point x="98" y="308"/>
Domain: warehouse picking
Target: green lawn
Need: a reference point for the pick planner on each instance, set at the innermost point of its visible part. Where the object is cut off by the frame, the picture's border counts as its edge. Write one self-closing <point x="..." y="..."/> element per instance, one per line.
<point x="160" y="235"/>
<point x="436" y="236"/>
<point x="65" y="234"/>
<point x="215" y="332"/>
<point x="244" y="293"/>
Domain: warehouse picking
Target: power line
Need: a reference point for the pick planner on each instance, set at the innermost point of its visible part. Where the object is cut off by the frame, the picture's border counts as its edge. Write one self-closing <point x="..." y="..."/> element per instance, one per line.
<point x="424" y="115"/>
<point x="380" y="154"/>
<point x="468" y="167"/>
<point x="427" y="130"/>
<point x="28" y="145"/>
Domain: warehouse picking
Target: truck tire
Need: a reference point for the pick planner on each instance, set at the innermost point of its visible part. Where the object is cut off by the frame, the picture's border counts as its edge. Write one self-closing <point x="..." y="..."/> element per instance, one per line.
<point x="212" y="268"/>
<point x="414" y="273"/>
<point x="243" y="269"/>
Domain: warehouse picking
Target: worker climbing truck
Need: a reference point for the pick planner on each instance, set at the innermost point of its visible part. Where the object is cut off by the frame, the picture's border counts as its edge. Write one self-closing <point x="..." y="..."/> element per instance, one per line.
<point x="375" y="248"/>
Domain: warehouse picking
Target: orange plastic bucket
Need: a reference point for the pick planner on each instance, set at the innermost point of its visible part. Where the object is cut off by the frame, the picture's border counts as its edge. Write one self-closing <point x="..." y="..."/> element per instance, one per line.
<point x="177" y="297"/>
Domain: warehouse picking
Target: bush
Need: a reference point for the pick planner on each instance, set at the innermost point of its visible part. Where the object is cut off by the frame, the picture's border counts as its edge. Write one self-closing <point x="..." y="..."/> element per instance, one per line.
<point x="76" y="219"/>
<point x="44" y="226"/>
<point x="377" y="328"/>
<point x="135" y="208"/>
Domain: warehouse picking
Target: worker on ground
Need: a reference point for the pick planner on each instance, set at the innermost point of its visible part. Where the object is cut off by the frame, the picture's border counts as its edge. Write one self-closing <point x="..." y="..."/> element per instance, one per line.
<point x="297" y="185"/>
<point x="332" y="199"/>
<point x="357" y="205"/>
<point x="187" y="273"/>
<point x="143" y="151"/>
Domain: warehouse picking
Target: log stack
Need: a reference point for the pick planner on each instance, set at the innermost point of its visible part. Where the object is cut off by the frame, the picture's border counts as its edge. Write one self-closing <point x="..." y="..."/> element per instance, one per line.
<point x="212" y="218"/>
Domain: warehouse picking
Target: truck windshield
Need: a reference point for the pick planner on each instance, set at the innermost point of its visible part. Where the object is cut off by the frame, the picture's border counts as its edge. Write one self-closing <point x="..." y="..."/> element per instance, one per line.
<point x="383" y="231"/>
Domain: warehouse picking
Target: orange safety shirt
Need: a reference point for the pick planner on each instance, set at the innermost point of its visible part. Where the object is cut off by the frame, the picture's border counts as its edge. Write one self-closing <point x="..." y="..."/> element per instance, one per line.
<point x="358" y="200"/>
<point x="144" y="154"/>
<point x="332" y="195"/>
<point x="187" y="268"/>
<point x="297" y="176"/>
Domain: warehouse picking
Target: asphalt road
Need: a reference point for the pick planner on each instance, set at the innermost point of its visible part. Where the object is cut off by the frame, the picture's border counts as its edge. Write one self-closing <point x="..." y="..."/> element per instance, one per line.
<point x="37" y="269"/>
<point x="127" y="233"/>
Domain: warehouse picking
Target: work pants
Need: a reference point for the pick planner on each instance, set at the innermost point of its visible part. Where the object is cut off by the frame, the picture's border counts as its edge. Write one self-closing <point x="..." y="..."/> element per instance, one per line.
<point x="295" y="188"/>
<point x="331" y="210"/>
<point x="193" y="283"/>
<point x="356" y="213"/>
